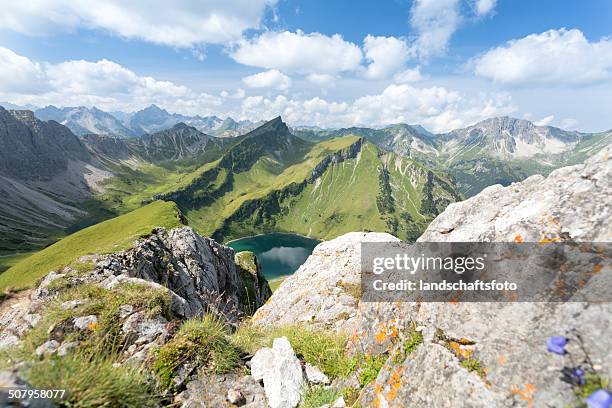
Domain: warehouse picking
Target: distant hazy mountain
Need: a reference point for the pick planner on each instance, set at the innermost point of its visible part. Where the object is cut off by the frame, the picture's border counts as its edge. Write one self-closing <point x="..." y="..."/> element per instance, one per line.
<point x="154" y="119"/>
<point x="82" y="120"/>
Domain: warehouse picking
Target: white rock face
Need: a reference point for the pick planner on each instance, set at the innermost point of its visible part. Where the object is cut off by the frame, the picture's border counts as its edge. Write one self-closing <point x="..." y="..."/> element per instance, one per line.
<point x="281" y="372"/>
<point x="314" y="375"/>
<point x="325" y="290"/>
<point x="572" y="203"/>
<point x="261" y="362"/>
<point x="84" y="322"/>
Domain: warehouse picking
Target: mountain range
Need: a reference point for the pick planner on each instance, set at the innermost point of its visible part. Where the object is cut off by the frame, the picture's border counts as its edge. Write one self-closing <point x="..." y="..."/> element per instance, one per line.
<point x="82" y="121"/>
<point x="316" y="182"/>
<point x="499" y="150"/>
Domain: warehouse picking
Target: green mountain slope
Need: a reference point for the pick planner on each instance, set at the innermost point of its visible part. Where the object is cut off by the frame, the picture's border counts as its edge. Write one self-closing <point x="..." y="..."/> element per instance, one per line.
<point x="273" y="181"/>
<point x="110" y="236"/>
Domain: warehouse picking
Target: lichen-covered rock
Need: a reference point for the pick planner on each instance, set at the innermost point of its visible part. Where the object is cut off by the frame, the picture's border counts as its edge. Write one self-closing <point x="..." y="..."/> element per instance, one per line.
<point x="472" y="354"/>
<point x="325" y="291"/>
<point x="85" y="322"/>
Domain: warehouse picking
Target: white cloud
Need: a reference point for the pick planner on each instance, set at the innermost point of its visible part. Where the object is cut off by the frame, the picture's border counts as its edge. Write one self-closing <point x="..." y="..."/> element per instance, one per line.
<point x="554" y="57"/>
<point x="298" y="52"/>
<point x="181" y="23"/>
<point x="435" y="21"/>
<point x="409" y="75"/>
<point x="104" y="83"/>
<point x="268" y="79"/>
<point x="569" y="123"/>
<point x="321" y="79"/>
<point x="20" y="74"/>
<point x="387" y="56"/>
<point x="435" y="107"/>
<point x="545" y="121"/>
<point x="484" y="7"/>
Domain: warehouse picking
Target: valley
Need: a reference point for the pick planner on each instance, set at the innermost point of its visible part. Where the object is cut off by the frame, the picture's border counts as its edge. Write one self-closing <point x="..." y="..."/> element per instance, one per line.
<point x="313" y="182"/>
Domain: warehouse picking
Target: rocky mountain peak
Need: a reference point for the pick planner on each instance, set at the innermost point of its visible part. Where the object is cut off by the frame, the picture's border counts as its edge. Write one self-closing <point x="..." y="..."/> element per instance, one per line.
<point x="26" y="117"/>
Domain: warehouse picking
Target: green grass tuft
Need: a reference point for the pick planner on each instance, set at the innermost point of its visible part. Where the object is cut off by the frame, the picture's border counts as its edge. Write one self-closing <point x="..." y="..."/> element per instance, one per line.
<point x="110" y="236"/>
<point x="414" y="339"/>
<point x="472" y="364"/>
<point x="203" y="342"/>
<point x="93" y="381"/>
<point x="325" y="350"/>
<point x="316" y="396"/>
<point x="592" y="383"/>
<point x="370" y="368"/>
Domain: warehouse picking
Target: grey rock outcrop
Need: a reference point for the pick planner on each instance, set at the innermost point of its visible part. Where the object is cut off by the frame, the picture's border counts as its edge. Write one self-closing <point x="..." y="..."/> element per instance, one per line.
<point x="572" y="203"/>
<point x="506" y="342"/>
<point x="200" y="272"/>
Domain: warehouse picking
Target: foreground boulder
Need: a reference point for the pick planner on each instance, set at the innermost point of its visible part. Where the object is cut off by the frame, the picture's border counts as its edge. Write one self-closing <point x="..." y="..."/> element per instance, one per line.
<point x="281" y="373"/>
<point x="468" y="354"/>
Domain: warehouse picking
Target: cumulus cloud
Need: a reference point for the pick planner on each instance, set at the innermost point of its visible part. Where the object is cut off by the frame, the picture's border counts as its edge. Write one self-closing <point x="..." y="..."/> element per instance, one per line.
<point x="103" y="83"/>
<point x="484" y="7"/>
<point x="298" y="52"/>
<point x="268" y="79"/>
<point x="387" y="56"/>
<point x="435" y="21"/>
<point x="545" y="121"/>
<point x="437" y="108"/>
<point x="20" y="74"/>
<point x="183" y="24"/>
<point x="409" y="75"/>
<point x="554" y="57"/>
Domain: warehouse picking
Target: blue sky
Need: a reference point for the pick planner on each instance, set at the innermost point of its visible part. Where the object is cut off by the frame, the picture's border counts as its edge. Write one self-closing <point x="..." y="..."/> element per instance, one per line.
<point x="440" y="63"/>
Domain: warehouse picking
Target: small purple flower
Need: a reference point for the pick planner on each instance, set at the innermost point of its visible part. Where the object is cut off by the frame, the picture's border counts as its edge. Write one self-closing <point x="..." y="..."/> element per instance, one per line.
<point x="556" y="344"/>
<point x="600" y="399"/>
<point x="578" y="374"/>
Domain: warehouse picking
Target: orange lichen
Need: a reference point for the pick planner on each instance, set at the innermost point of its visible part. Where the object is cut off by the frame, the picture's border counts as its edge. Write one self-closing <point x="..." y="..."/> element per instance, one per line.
<point x="380" y="336"/>
<point x="394" y="384"/>
<point x="518" y="238"/>
<point x="92" y="326"/>
<point x="460" y="351"/>
<point x="525" y="394"/>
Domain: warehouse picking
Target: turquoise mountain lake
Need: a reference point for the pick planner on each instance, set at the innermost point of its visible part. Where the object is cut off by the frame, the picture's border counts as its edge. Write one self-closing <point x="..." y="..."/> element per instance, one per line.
<point x="279" y="254"/>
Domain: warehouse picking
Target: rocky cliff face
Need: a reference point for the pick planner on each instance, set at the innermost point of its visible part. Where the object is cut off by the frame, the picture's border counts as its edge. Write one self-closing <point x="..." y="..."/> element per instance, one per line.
<point x="34" y="150"/>
<point x="467" y="354"/>
<point x="202" y="274"/>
